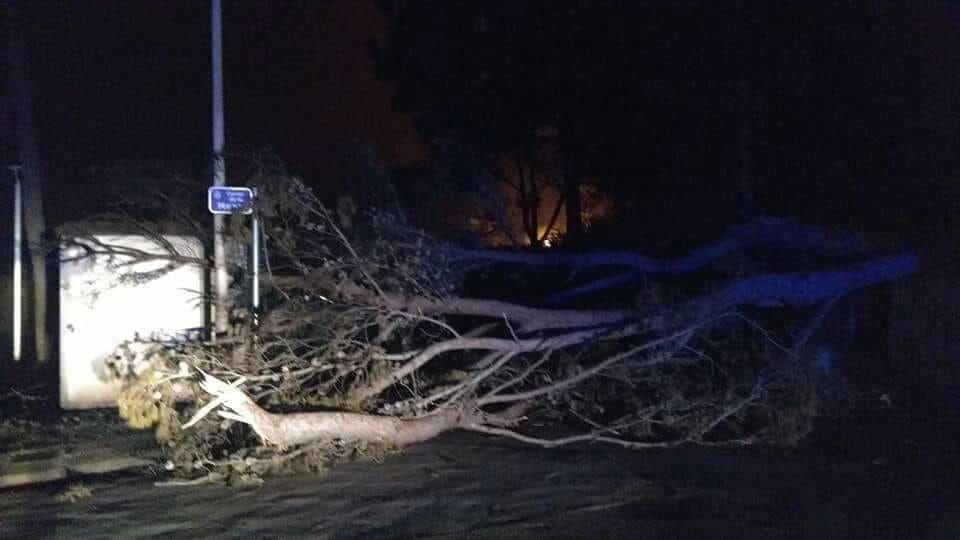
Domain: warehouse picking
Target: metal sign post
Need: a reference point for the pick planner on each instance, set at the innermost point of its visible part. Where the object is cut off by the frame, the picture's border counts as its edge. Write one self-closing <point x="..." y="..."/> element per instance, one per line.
<point x="241" y="200"/>
<point x="255" y="264"/>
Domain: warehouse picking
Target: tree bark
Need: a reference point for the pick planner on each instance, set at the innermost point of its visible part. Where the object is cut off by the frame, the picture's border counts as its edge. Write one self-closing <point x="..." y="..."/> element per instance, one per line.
<point x="34" y="221"/>
<point x="286" y="430"/>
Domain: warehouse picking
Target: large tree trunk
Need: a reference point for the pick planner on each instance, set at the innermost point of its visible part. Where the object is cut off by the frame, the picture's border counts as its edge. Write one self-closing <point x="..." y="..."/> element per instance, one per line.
<point x="35" y="224"/>
<point x="286" y="430"/>
<point x="765" y="231"/>
<point x="771" y="232"/>
<point x="800" y="289"/>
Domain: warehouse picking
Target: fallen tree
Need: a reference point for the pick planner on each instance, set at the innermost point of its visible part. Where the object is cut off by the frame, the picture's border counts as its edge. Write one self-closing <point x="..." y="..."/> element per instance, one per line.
<point x="371" y="341"/>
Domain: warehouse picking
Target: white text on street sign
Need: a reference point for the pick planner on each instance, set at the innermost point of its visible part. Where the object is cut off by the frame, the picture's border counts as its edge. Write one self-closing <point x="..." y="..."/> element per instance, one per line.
<point x="230" y="200"/>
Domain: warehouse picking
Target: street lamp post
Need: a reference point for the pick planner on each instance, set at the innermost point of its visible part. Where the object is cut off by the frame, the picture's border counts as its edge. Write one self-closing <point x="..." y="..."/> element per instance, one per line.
<point x="221" y="279"/>
<point x="17" y="262"/>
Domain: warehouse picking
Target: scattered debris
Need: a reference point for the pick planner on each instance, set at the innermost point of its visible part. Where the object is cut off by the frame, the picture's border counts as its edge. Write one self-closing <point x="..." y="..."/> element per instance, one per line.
<point x="73" y="494"/>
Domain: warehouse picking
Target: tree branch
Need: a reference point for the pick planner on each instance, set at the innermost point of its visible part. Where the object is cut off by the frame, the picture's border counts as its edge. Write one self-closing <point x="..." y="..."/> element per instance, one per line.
<point x="528" y="319"/>
<point x="800" y="289"/>
<point x="764" y="231"/>
<point x="489" y="344"/>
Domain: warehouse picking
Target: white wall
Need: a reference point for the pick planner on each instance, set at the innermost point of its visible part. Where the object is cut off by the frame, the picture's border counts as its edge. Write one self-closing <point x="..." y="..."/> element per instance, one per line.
<point x="99" y="310"/>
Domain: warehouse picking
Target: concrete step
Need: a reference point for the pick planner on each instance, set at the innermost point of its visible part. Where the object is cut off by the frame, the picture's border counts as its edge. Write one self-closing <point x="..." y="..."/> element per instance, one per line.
<point x="45" y="468"/>
<point x="32" y="453"/>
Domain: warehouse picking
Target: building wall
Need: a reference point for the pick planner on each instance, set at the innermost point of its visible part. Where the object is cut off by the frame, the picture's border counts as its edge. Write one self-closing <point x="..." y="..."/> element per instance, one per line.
<point x="99" y="310"/>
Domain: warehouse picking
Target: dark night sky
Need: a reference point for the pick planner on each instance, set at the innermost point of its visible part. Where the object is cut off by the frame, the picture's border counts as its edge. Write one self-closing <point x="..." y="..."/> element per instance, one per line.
<point x="861" y="99"/>
<point x="130" y="81"/>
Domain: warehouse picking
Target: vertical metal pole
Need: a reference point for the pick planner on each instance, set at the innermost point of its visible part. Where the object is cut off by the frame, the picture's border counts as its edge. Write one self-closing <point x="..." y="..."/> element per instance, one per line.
<point x="221" y="279"/>
<point x="17" y="263"/>
<point x="255" y="262"/>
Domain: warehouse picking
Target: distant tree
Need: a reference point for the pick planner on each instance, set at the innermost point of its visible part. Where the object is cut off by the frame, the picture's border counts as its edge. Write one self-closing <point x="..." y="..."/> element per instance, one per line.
<point x="530" y="173"/>
<point x="622" y="84"/>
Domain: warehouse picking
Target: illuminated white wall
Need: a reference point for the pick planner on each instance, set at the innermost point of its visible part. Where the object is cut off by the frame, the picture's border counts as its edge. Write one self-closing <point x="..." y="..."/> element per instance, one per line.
<point x="99" y="310"/>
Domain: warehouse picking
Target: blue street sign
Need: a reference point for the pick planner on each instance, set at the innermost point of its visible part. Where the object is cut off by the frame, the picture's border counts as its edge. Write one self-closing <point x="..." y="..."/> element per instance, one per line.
<point x="230" y="200"/>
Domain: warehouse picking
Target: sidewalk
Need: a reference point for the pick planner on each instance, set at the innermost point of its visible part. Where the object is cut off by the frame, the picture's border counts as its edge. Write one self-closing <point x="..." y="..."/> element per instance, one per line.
<point x="40" y="443"/>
